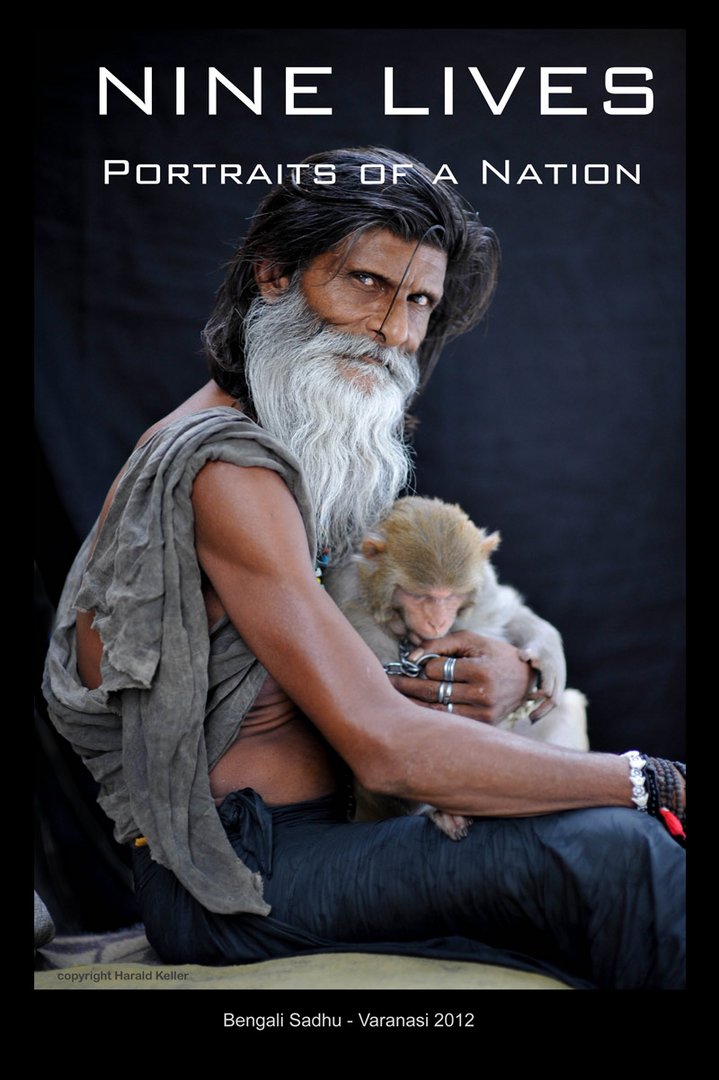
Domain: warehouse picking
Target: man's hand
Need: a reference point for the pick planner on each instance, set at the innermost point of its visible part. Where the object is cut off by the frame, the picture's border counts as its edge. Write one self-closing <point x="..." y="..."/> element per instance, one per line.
<point x="489" y="680"/>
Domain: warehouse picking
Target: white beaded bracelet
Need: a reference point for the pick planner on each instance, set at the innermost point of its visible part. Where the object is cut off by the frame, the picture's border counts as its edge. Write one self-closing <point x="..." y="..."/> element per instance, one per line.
<point x="637" y="763"/>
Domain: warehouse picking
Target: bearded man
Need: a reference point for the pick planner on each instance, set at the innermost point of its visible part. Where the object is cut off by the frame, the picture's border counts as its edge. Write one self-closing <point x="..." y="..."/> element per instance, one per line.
<point x="219" y="697"/>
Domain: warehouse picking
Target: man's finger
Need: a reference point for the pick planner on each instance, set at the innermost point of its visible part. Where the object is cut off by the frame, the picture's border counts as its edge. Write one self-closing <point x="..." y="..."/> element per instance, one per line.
<point x="421" y="689"/>
<point x="468" y="700"/>
<point x="437" y="670"/>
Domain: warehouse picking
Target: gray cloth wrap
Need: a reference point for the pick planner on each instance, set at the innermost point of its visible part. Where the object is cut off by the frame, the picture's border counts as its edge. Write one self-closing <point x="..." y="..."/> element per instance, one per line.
<point x="173" y="694"/>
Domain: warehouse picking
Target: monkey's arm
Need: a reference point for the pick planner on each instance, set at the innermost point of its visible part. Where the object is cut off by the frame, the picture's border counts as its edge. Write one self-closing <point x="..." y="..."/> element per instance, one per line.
<point x="500" y="612"/>
<point x="541" y="644"/>
<point x="252" y="544"/>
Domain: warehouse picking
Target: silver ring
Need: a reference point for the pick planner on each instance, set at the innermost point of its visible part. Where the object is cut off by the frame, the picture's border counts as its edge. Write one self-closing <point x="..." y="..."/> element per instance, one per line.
<point x="450" y="707"/>
<point x="444" y="693"/>
<point x="425" y="657"/>
<point x="448" y="670"/>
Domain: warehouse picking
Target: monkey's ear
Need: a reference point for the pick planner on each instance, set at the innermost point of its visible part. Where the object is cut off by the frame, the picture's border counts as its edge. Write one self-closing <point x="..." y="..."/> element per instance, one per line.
<point x="272" y="281"/>
<point x="372" y="547"/>
<point x="490" y="543"/>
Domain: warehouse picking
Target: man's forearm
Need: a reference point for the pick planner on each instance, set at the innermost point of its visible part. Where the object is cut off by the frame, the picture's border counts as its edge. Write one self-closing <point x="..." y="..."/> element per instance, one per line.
<point x="466" y="767"/>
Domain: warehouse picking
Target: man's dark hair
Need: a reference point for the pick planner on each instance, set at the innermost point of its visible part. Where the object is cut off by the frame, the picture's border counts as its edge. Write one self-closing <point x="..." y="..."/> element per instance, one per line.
<point x="300" y="220"/>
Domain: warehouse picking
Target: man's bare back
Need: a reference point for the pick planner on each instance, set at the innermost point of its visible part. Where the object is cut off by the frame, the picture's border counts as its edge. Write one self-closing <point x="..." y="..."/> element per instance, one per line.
<point x="278" y="752"/>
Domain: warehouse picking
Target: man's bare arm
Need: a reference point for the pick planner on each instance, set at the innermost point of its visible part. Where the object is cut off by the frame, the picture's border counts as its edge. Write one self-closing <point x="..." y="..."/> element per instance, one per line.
<point x="252" y="545"/>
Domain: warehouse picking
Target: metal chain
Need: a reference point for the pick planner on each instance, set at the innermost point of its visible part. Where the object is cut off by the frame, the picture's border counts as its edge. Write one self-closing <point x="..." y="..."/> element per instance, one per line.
<point x="405" y="666"/>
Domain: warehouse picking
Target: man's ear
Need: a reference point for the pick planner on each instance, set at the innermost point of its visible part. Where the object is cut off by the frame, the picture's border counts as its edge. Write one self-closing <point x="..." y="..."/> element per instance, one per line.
<point x="272" y="280"/>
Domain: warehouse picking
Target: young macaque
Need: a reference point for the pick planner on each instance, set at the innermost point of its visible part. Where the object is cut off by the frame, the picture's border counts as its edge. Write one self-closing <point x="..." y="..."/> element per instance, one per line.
<point x="424" y="572"/>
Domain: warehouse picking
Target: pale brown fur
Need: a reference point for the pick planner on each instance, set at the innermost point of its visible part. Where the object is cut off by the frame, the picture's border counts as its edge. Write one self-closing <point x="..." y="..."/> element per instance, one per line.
<point x="423" y="544"/>
<point x="426" y="546"/>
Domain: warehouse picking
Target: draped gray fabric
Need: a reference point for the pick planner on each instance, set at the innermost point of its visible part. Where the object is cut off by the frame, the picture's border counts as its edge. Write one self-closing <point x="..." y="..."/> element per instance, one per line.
<point x="173" y="693"/>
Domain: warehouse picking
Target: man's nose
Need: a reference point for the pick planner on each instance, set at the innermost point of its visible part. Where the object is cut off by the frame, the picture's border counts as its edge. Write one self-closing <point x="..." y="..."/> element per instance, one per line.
<point x="393" y="327"/>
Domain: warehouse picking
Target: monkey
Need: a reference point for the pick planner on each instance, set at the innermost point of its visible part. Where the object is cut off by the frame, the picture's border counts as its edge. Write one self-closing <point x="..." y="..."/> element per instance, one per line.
<point x="425" y="571"/>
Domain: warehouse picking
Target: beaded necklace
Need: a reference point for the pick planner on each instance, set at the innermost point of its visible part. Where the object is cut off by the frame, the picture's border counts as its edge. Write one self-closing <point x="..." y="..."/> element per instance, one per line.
<point x="323" y="559"/>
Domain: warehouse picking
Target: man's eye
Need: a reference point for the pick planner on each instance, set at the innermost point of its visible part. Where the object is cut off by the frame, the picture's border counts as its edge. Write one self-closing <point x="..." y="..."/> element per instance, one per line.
<point x="363" y="278"/>
<point x="421" y="299"/>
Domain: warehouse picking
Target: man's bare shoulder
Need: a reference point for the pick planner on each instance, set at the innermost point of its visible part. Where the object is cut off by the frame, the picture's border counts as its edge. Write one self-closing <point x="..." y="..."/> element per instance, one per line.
<point x="208" y="396"/>
<point x="247" y="514"/>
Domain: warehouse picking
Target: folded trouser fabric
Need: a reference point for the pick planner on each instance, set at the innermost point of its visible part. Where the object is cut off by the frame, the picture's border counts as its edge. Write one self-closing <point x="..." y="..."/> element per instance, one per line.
<point x="593" y="897"/>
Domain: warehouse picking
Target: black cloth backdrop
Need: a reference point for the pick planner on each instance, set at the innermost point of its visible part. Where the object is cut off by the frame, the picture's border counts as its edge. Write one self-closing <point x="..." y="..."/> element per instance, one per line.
<point x="558" y="422"/>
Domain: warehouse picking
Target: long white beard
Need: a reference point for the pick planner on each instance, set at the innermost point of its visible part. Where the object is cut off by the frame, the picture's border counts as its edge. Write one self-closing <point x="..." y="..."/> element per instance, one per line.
<point x="341" y="416"/>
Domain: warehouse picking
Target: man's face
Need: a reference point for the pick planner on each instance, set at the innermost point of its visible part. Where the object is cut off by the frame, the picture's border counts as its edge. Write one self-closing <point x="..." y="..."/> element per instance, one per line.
<point x="377" y="286"/>
<point x="330" y="363"/>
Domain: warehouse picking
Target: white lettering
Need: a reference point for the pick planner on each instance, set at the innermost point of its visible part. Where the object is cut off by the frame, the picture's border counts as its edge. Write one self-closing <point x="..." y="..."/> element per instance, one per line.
<point x="364" y="179"/>
<point x="445" y="173"/>
<point x="449" y="91"/>
<point x="203" y="169"/>
<point x="297" y="173"/>
<point x="546" y="90"/>
<point x="646" y="91"/>
<point x="504" y="177"/>
<point x="325" y="174"/>
<point x="496" y="107"/>
<point x="154" y="177"/>
<point x="180" y="91"/>
<point x="291" y="91"/>
<point x="529" y="173"/>
<point x="635" y="177"/>
<point x="110" y="171"/>
<point x="145" y="103"/>
<point x="556" y="171"/>
<point x="398" y="170"/>
<point x="254" y="104"/>
<point x="230" y="172"/>
<point x="259" y="173"/>
<point x="177" y="172"/>
<point x="603" y="174"/>
<point x="390" y="109"/>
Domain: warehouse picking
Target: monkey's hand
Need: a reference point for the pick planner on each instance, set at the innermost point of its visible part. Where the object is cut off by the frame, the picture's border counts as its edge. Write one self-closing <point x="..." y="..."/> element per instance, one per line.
<point x="489" y="680"/>
<point x="540" y="644"/>
<point x="547" y="658"/>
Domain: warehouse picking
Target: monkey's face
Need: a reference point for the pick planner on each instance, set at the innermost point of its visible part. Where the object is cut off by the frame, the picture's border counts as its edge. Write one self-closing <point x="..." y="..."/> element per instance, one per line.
<point x="432" y="614"/>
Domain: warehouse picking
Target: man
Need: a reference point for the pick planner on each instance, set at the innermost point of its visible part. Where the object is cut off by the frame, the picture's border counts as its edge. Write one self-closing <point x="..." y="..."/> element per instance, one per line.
<point x="218" y="695"/>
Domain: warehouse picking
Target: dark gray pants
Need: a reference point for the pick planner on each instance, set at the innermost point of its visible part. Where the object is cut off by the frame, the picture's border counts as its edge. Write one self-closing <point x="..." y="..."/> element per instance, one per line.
<point x="595" y="897"/>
